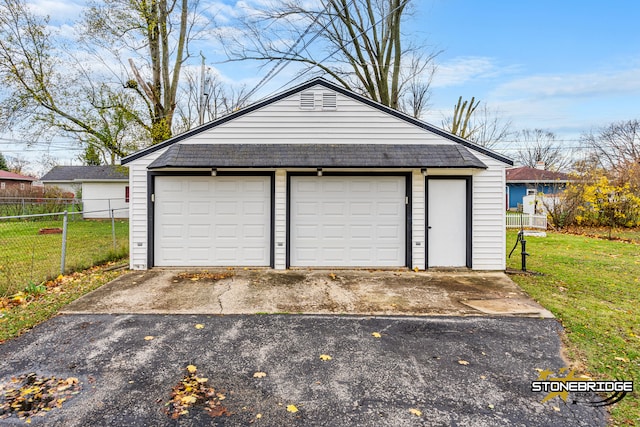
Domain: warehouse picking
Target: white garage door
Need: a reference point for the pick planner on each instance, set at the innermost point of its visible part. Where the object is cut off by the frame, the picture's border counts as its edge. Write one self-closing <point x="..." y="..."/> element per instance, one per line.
<point x="212" y="221"/>
<point x="344" y="221"/>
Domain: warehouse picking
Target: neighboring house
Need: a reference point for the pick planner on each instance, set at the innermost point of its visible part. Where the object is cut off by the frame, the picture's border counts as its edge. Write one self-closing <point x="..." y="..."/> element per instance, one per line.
<point x="101" y="188"/>
<point x="317" y="176"/>
<point x="527" y="181"/>
<point x="13" y="184"/>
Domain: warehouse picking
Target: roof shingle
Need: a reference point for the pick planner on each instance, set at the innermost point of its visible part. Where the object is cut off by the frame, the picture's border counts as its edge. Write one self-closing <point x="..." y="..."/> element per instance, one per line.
<point x="86" y="173"/>
<point x="317" y="155"/>
<point x="528" y="174"/>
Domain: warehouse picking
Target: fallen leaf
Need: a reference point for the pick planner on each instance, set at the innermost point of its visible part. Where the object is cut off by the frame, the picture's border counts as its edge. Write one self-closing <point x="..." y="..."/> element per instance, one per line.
<point x="149" y="337"/>
<point x="192" y="369"/>
<point x="463" y="362"/>
<point x="292" y="408"/>
<point x="416" y="412"/>
<point x="491" y="406"/>
<point x="325" y="357"/>
<point x="416" y="269"/>
<point x="483" y="377"/>
<point x="258" y="416"/>
<point x="188" y="399"/>
<point x="199" y="326"/>
<point x="376" y="334"/>
<point x="621" y="359"/>
<point x="259" y="375"/>
<point x="556" y="408"/>
<point x="333" y="276"/>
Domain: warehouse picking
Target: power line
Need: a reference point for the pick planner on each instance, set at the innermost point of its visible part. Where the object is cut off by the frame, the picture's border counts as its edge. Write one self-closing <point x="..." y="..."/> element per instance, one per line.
<point x="273" y="72"/>
<point x="337" y="50"/>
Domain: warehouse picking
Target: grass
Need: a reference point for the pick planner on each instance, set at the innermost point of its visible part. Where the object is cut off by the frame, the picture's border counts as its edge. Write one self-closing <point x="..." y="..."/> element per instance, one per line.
<point x="592" y="286"/>
<point x="37" y="308"/>
<point x="29" y="257"/>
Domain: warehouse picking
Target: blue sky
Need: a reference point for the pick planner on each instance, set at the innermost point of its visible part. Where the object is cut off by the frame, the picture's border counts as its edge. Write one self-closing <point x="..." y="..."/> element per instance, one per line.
<point x="564" y="66"/>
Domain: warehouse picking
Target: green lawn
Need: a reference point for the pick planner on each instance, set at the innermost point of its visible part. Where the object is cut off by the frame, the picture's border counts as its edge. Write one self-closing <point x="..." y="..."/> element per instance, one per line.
<point x="29" y="257"/>
<point x="593" y="287"/>
<point x="42" y="306"/>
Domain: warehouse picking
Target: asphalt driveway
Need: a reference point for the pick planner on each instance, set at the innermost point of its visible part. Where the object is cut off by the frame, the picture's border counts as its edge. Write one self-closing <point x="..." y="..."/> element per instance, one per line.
<point x="428" y="371"/>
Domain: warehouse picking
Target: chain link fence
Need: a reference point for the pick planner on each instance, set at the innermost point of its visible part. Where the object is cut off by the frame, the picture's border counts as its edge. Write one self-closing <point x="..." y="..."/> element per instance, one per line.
<point x="37" y="247"/>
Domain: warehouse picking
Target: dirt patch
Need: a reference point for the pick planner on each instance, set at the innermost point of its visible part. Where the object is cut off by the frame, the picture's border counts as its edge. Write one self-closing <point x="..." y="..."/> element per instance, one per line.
<point x="271" y="278"/>
<point x="200" y="276"/>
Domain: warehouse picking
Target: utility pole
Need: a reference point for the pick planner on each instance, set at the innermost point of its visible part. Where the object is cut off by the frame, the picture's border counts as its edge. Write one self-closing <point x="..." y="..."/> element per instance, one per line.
<point x="202" y="94"/>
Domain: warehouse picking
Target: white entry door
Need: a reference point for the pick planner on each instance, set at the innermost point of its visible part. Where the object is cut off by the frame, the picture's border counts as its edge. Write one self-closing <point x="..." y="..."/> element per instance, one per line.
<point x="347" y="221"/>
<point x="212" y="221"/>
<point x="447" y="222"/>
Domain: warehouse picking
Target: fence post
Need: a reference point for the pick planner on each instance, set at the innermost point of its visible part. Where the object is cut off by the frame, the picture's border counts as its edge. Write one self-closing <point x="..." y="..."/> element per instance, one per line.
<point x="64" y="242"/>
<point x="113" y="229"/>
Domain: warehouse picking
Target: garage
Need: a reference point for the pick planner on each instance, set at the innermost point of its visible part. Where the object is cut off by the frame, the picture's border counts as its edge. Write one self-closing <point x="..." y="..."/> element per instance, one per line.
<point x="212" y="221"/>
<point x="348" y="221"/>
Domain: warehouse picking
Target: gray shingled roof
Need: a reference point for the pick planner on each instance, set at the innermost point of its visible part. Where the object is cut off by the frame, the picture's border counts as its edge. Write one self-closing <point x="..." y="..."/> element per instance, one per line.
<point x="86" y="173"/>
<point x="317" y="155"/>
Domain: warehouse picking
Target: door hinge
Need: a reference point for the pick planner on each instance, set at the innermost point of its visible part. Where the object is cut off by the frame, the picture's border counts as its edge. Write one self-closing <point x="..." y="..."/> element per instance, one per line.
<point x="406" y="200"/>
<point x="153" y="198"/>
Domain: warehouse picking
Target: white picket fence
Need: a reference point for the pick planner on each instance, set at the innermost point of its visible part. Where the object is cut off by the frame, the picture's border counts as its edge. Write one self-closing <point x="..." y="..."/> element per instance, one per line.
<point x="517" y="220"/>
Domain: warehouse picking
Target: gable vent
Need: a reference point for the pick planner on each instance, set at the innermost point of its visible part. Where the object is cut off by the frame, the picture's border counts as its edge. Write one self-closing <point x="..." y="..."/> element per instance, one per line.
<point x="307" y="100"/>
<point x="329" y="101"/>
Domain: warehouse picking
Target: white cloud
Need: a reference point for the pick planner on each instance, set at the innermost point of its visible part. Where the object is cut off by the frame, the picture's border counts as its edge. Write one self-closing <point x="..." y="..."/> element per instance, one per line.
<point x="572" y="85"/>
<point x="57" y="10"/>
<point x="465" y="69"/>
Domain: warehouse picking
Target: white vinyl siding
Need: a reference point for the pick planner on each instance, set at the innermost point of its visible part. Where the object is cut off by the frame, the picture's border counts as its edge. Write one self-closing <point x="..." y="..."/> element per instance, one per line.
<point x="280" y="221"/>
<point x="351" y="122"/>
<point x="418" y="235"/>
<point x="138" y="224"/>
<point x="489" y="236"/>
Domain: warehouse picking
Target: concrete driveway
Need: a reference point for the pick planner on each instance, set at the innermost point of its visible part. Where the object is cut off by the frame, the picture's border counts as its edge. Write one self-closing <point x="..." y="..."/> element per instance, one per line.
<point x="365" y="292"/>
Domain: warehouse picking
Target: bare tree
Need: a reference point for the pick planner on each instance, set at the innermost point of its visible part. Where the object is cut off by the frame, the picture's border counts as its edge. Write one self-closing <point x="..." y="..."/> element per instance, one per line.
<point x="538" y="146"/>
<point x="162" y="30"/>
<point x="490" y="128"/>
<point x="363" y="38"/>
<point x="483" y="126"/>
<point x="47" y="95"/>
<point x="617" y="147"/>
<point x="460" y="123"/>
<point x="217" y="100"/>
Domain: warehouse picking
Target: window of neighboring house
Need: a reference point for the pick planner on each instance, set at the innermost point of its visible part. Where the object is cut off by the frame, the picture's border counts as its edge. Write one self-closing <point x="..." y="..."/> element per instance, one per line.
<point x="531" y="192"/>
<point x="2" y="185"/>
<point x="22" y="185"/>
<point x="126" y="194"/>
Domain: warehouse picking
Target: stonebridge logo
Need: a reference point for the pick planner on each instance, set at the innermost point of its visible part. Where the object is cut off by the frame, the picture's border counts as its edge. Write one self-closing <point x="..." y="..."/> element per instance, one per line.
<point x="556" y="385"/>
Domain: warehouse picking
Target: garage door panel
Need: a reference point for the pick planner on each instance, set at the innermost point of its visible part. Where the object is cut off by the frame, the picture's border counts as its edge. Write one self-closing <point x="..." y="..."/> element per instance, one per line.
<point x="362" y="208"/>
<point x="212" y="221"/>
<point x="347" y="221"/>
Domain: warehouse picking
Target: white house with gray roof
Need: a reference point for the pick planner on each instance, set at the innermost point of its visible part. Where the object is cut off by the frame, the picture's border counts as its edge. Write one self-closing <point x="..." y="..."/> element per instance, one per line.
<point x="103" y="189"/>
<point x="317" y="176"/>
